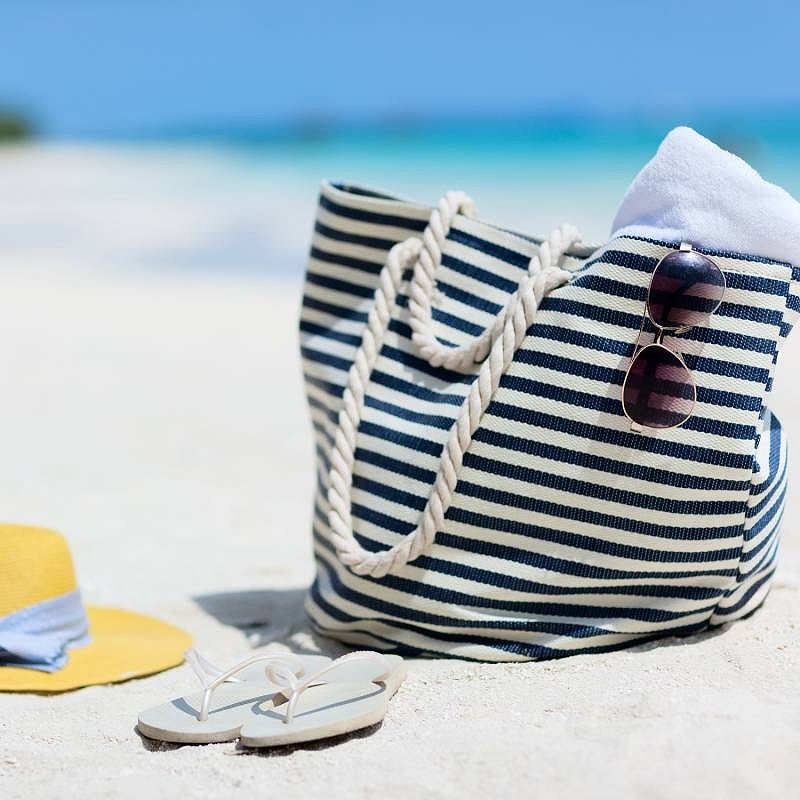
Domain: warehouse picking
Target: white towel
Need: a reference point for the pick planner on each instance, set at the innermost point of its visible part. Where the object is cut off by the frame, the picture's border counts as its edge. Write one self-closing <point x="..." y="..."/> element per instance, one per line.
<point x="694" y="191"/>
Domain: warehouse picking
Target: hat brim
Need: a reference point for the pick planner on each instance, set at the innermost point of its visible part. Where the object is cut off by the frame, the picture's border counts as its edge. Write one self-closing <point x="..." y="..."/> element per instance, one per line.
<point x="124" y="645"/>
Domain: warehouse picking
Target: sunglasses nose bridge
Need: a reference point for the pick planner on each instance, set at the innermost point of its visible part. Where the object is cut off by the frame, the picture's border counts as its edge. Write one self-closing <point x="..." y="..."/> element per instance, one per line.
<point x="662" y="332"/>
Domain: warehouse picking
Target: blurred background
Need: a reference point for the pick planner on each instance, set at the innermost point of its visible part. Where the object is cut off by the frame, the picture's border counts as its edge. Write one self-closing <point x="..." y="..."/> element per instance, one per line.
<point x="184" y="137"/>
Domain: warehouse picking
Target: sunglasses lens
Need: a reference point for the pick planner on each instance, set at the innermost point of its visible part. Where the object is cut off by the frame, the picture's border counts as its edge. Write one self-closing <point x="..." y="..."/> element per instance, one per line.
<point x="659" y="390"/>
<point x="686" y="288"/>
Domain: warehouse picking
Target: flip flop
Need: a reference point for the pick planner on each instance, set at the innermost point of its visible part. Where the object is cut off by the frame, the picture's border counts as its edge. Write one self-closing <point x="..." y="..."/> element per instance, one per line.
<point x="230" y="697"/>
<point x="309" y="709"/>
<point x="234" y="691"/>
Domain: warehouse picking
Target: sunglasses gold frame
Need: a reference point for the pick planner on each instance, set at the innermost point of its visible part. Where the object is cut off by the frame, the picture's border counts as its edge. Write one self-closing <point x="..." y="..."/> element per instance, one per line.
<point x="661" y="331"/>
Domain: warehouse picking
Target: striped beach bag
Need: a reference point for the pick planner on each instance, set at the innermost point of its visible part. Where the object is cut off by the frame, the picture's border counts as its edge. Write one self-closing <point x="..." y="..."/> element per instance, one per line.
<point x="480" y="491"/>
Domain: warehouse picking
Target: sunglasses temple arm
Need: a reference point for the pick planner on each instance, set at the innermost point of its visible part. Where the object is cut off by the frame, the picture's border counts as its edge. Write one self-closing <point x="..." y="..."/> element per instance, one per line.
<point x="638" y="344"/>
<point x="635" y="426"/>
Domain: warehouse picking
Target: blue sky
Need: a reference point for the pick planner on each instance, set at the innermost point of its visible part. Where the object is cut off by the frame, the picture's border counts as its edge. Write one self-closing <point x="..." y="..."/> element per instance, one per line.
<point x="90" y="68"/>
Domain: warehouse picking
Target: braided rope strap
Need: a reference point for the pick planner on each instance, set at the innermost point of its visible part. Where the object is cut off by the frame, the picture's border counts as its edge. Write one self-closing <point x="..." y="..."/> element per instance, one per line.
<point x="463" y="358"/>
<point x="518" y="316"/>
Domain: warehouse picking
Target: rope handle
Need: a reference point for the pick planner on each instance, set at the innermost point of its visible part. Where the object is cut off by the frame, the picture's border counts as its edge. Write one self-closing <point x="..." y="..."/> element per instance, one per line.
<point x="500" y="342"/>
<point x="464" y="358"/>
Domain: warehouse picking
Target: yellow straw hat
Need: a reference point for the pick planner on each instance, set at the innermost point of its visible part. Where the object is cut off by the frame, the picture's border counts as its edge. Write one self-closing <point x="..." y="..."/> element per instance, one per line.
<point x="50" y="642"/>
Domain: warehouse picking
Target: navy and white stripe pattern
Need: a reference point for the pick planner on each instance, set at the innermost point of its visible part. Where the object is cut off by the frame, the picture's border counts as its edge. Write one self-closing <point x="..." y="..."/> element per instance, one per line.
<point x="567" y="532"/>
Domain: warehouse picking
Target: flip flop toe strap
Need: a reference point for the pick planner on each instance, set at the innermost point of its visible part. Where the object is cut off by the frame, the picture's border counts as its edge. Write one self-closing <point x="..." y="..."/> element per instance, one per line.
<point x="210" y="676"/>
<point x="293" y="687"/>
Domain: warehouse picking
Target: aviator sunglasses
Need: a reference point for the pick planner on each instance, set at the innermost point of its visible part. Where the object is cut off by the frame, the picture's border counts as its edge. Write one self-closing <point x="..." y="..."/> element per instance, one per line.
<point x="659" y="391"/>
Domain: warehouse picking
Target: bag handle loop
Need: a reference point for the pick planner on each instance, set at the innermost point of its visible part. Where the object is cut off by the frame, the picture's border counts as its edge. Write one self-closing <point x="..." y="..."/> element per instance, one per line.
<point x="503" y="341"/>
<point x="463" y="358"/>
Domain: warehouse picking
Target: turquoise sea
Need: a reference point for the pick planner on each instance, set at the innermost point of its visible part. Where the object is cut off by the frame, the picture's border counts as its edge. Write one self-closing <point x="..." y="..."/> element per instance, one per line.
<point x="241" y="202"/>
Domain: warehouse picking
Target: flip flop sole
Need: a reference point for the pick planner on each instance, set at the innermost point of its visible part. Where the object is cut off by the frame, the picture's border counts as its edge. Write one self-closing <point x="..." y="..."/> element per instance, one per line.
<point x="322" y="711"/>
<point x="231" y="705"/>
<point x="176" y="721"/>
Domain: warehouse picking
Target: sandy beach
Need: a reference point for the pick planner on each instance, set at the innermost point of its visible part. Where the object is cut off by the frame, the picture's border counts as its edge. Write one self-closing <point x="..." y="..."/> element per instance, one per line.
<point x="140" y="418"/>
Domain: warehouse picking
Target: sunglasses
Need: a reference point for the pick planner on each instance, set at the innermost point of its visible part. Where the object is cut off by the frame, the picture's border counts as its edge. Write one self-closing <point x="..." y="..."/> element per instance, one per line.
<point x="659" y="391"/>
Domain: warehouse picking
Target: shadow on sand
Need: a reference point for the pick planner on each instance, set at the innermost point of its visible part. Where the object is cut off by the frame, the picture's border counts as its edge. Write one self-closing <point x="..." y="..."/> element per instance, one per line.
<point x="269" y="615"/>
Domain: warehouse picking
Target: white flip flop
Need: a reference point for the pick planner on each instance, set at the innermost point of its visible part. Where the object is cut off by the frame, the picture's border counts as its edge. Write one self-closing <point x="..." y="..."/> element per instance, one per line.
<point x="231" y="698"/>
<point x="319" y="706"/>
<point x="195" y="719"/>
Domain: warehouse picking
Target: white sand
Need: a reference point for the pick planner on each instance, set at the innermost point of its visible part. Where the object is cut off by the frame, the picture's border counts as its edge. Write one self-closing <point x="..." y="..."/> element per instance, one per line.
<point x="137" y="415"/>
